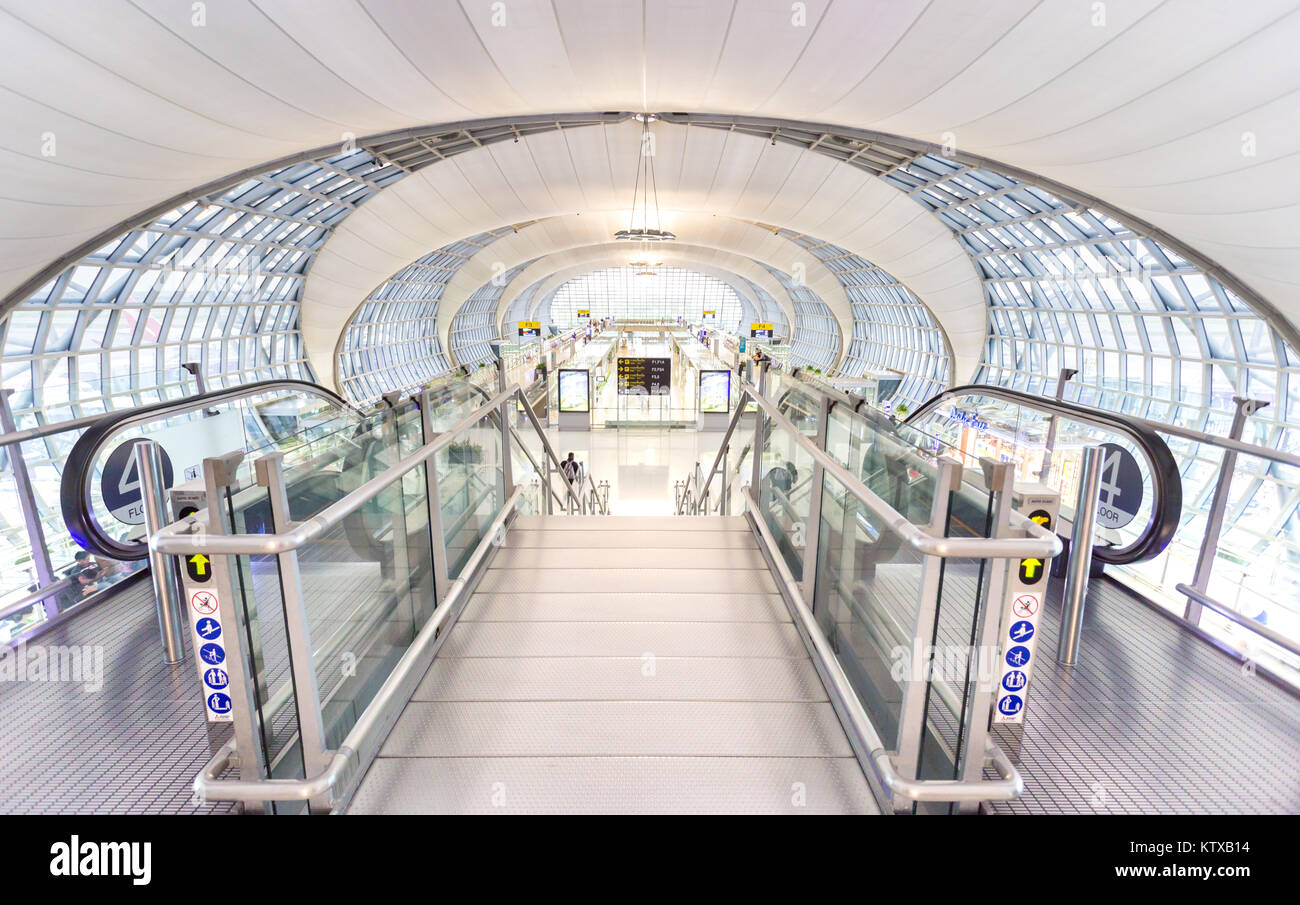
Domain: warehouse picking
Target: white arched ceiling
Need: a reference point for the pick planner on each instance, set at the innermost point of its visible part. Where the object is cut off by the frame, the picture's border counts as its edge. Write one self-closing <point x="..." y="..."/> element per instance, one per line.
<point x="611" y="254"/>
<point x="706" y="179"/>
<point x="749" y="300"/>
<point x="731" y="239"/>
<point x="1186" y="114"/>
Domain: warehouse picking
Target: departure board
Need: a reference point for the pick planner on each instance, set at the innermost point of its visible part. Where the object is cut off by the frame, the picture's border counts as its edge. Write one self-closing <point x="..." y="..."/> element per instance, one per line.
<point x="645" y="376"/>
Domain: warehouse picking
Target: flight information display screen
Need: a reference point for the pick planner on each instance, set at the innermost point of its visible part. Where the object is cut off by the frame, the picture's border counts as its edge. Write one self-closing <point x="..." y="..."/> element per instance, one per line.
<point x="645" y="376"/>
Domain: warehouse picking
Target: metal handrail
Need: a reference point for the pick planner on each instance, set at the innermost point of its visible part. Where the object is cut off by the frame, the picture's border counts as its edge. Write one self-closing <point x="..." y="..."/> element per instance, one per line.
<point x="1244" y="621"/>
<point x="1240" y="446"/>
<point x="208" y="786"/>
<point x="546" y="443"/>
<point x="29" y="600"/>
<point x="180" y="537"/>
<point x="863" y="734"/>
<point x="50" y="430"/>
<point x="1038" y="541"/>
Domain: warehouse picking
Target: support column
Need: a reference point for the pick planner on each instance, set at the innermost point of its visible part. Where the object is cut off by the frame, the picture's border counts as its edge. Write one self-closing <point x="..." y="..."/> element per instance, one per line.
<point x="162" y="568"/>
<point x="1076" y="581"/>
<point x="1219" y="507"/>
<point x="27" y="503"/>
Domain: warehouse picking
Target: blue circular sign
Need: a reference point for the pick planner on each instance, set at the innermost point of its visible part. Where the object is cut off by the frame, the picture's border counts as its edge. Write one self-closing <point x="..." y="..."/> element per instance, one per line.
<point x="1010" y="705"/>
<point x="1014" y="680"/>
<point x="208" y="628"/>
<point x="215" y="678"/>
<point x="1022" y="631"/>
<point x="212" y="653"/>
<point x="1018" y="655"/>
<point x="218" y="702"/>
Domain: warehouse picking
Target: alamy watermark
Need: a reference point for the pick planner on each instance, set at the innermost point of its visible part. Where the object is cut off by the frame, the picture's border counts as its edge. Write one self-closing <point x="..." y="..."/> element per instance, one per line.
<point x="953" y="663"/>
<point x="78" y="663"/>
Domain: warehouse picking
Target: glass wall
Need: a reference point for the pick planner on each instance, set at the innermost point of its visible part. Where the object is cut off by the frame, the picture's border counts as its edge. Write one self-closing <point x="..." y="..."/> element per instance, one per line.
<point x="475" y="323"/>
<point x="1151" y="335"/>
<point x="392" y="342"/>
<point x="815" y="339"/>
<point x="892" y="329"/>
<point x="627" y="294"/>
<point x="216" y="280"/>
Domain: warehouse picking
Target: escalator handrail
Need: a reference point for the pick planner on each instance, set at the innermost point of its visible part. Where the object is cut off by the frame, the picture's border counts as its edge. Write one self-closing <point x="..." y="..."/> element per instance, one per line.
<point x="1166" y="479"/>
<point x="75" y="483"/>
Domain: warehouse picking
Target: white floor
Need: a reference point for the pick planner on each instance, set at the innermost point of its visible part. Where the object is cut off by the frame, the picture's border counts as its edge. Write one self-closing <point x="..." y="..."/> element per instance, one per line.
<point x="640" y="464"/>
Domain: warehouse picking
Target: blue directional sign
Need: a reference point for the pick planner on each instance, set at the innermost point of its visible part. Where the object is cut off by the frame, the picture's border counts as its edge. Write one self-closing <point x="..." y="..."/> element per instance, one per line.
<point x="1014" y="680"/>
<point x="215" y="678"/>
<point x="1010" y="704"/>
<point x="1018" y="656"/>
<point x="1022" y="631"/>
<point x="208" y="628"/>
<point x="218" y="702"/>
<point x="215" y="653"/>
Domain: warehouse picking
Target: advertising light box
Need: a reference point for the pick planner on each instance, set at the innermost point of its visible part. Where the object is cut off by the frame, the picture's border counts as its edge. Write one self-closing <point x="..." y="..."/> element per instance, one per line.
<point x="715" y="391"/>
<point x="575" y="390"/>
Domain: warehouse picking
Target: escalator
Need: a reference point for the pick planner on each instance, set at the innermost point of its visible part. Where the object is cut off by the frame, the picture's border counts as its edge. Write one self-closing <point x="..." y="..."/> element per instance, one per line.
<point x="1045" y="438"/>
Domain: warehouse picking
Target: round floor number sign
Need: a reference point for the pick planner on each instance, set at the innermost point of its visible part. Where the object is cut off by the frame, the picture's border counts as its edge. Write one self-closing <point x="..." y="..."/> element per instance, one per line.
<point x="1120" y="493"/>
<point x="119" y="483"/>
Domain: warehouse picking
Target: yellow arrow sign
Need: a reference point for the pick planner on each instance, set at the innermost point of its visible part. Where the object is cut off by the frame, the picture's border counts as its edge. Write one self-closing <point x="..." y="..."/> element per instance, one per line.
<point x="1030" y="570"/>
<point x="197" y="567"/>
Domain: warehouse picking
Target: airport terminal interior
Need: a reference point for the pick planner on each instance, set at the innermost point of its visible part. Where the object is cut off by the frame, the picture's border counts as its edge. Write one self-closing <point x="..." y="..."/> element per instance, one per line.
<point x="880" y="407"/>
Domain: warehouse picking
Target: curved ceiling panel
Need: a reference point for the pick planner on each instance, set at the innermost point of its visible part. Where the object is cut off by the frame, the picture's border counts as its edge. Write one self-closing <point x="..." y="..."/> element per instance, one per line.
<point x="552" y="269"/>
<point x="1185" y="114"/>
<point x="705" y="176"/>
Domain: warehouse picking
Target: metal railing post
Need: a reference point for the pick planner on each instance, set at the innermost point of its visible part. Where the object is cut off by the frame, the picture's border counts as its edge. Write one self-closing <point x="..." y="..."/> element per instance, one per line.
<point x="507" y="471"/>
<point x="437" y="541"/>
<point x="162" y="568"/>
<point x="1062" y="379"/>
<point x="1076" y="581"/>
<point x="1218" y="508"/>
<point x="1000" y="479"/>
<point x="200" y="382"/>
<point x="916" y="685"/>
<point x="306" y="689"/>
<point x="248" y="690"/>
<point x="812" y="528"/>
<point x="757" y="450"/>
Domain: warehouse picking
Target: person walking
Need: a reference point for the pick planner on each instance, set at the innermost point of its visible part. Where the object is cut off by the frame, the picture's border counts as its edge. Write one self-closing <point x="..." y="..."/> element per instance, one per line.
<point x="571" y="469"/>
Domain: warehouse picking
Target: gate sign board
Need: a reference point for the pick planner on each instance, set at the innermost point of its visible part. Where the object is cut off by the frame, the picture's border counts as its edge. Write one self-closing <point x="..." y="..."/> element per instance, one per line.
<point x="645" y="376"/>
<point x="1120" y="493"/>
<point x="1026" y="589"/>
<point x="207" y="634"/>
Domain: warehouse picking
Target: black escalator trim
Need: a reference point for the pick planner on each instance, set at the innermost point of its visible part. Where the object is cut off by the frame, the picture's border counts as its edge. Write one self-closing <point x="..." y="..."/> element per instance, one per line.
<point x="74" y="485"/>
<point x="1167" y="479"/>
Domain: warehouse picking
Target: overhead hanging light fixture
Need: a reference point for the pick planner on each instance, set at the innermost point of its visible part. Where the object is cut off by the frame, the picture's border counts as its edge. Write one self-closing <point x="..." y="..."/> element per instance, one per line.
<point x="641" y="190"/>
